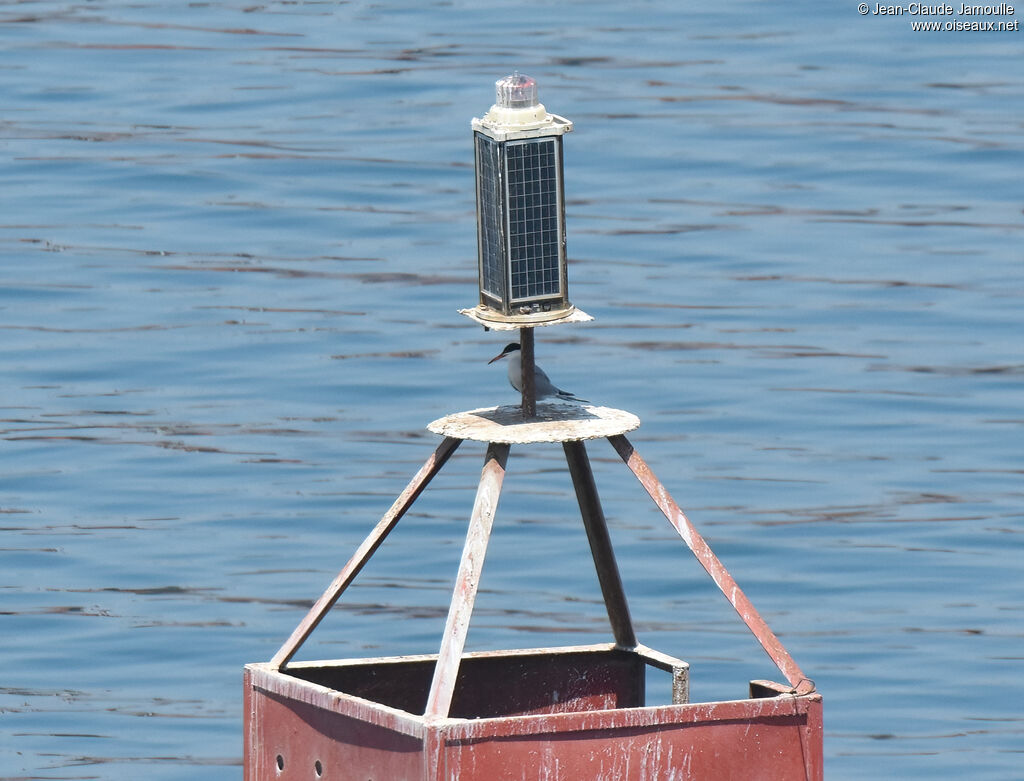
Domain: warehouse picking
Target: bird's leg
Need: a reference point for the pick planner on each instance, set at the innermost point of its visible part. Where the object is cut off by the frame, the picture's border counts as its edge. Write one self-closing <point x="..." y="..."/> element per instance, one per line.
<point x="529" y="390"/>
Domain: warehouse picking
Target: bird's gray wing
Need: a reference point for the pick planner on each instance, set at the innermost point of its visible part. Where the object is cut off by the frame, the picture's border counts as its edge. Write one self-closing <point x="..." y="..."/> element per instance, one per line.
<point x="542" y="384"/>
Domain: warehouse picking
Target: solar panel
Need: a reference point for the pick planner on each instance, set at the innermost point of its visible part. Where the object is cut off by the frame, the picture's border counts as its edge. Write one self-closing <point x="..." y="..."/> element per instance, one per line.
<point x="534" y="233"/>
<point x="519" y="214"/>
<point x="489" y="214"/>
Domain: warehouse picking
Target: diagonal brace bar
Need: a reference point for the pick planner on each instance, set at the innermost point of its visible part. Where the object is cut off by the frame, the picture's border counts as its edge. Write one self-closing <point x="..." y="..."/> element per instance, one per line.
<point x="801" y="683"/>
<point x="446" y="672"/>
<point x="600" y="543"/>
<point x="365" y="551"/>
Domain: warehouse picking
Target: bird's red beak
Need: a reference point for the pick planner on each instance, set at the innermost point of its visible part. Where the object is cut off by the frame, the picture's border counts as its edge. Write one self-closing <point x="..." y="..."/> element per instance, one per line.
<point x="496" y="357"/>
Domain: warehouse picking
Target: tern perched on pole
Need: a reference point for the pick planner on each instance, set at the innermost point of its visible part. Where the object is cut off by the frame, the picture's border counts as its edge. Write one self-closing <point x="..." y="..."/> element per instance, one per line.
<point x="542" y="385"/>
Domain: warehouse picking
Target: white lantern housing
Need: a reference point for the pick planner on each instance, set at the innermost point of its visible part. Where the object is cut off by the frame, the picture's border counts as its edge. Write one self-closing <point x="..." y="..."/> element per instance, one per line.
<point x="520" y="207"/>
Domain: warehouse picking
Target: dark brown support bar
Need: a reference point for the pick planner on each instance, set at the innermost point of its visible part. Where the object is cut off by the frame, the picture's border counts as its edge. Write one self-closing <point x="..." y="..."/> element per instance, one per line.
<point x="365" y="551"/>
<point x="529" y="390"/>
<point x="801" y="683"/>
<point x="600" y="543"/>
<point x="442" y="688"/>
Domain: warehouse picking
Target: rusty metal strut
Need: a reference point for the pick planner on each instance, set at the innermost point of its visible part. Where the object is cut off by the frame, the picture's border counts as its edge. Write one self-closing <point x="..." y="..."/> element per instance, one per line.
<point x="600" y="543"/>
<point x="801" y="683"/>
<point x="446" y="672"/>
<point x="373" y="541"/>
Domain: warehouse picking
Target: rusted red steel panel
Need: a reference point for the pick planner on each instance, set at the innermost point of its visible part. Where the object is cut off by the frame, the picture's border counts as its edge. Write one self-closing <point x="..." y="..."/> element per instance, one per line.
<point x="457" y="626"/>
<point x="295" y="729"/>
<point x="765" y="636"/>
<point x="600" y="543"/>
<point x="366" y="550"/>
<point x="748" y="740"/>
<point x="250" y="726"/>
<point x="295" y="726"/>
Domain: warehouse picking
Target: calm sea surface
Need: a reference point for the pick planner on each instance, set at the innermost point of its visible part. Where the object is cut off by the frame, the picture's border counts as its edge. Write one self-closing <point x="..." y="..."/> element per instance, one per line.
<point x="233" y="237"/>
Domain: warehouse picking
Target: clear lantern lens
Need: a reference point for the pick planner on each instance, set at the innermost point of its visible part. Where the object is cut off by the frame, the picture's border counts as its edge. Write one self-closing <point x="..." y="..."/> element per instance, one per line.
<point x="516" y="91"/>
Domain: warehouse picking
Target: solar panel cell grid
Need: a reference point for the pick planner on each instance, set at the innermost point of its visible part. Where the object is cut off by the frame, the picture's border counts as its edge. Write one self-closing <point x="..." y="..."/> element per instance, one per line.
<point x="489" y="206"/>
<point x="534" y="240"/>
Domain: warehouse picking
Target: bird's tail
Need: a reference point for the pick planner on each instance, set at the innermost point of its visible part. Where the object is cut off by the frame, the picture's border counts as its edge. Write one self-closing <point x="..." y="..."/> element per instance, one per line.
<point x="566" y="396"/>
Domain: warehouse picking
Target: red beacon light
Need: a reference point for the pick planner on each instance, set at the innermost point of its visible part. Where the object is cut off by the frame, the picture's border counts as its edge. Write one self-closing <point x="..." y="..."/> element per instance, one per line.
<point x="516" y="91"/>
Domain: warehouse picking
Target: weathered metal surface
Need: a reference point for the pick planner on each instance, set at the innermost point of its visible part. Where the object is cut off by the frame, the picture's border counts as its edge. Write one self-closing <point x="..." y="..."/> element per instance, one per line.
<point x="801" y="683"/>
<point x="366" y="550"/>
<point x="292" y="727"/>
<point x="494" y="321"/>
<point x="600" y="543"/>
<point x="752" y="740"/>
<point x="528" y="392"/>
<point x="679" y="669"/>
<point x="493" y="684"/>
<point x="554" y="422"/>
<point x="530" y="724"/>
<point x="457" y="626"/>
<point x="560" y="714"/>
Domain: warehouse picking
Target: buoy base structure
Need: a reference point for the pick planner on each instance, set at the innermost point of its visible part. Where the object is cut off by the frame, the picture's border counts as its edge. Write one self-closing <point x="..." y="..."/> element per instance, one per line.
<point x="553" y="713"/>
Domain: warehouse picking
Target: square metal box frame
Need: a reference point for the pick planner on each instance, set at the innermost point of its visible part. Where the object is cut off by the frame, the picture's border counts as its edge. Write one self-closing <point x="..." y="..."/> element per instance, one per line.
<point x="554" y="713"/>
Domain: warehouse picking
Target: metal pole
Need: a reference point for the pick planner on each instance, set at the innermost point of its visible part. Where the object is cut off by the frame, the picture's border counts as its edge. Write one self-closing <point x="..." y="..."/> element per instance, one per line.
<point x="600" y="544"/>
<point x="446" y="673"/>
<point x="365" y="551"/>
<point x="529" y="386"/>
<point x="801" y="683"/>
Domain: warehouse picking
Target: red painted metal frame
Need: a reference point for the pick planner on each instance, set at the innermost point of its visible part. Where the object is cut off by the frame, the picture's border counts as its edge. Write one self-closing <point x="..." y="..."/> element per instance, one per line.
<point x="560" y="714"/>
<point x="583" y="718"/>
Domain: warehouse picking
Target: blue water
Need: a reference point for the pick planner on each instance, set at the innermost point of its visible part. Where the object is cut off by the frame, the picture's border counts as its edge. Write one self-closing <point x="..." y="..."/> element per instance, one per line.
<point x="233" y="240"/>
